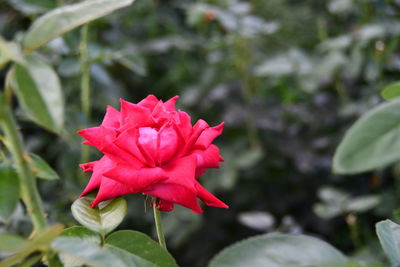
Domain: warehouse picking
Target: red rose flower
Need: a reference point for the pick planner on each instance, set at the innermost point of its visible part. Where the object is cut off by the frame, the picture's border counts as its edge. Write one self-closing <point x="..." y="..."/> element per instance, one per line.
<point x="152" y="148"/>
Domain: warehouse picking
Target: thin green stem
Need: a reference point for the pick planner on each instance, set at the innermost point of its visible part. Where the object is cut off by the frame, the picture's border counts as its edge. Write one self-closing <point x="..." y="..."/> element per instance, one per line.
<point x="85" y="80"/>
<point x="102" y="240"/>
<point x="157" y="220"/>
<point x="351" y="220"/>
<point x="85" y="90"/>
<point x="29" y="192"/>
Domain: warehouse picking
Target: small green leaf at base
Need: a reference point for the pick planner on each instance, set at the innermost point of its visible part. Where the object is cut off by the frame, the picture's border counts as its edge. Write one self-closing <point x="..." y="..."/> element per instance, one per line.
<point x="389" y="236"/>
<point x="142" y="246"/>
<point x="91" y="254"/>
<point x="85" y="236"/>
<point x="279" y="250"/>
<point x="102" y="219"/>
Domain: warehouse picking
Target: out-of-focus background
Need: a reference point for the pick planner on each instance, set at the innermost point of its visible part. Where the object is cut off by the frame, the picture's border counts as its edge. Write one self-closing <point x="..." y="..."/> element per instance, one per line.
<point x="287" y="77"/>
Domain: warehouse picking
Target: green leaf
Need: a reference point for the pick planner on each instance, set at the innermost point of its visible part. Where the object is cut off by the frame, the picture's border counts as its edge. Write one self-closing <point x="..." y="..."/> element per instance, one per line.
<point x="63" y="19"/>
<point x="391" y="91"/>
<point x="389" y="236"/>
<point x="279" y="250"/>
<point x="85" y="235"/>
<point x="92" y="254"/>
<point x="39" y="92"/>
<point x="11" y="242"/>
<point x="128" y="258"/>
<point x="41" y="169"/>
<point x="102" y="219"/>
<point x="372" y="142"/>
<point x="142" y="246"/>
<point x="327" y="211"/>
<point x="39" y="243"/>
<point x="9" y="191"/>
<point x="362" y="203"/>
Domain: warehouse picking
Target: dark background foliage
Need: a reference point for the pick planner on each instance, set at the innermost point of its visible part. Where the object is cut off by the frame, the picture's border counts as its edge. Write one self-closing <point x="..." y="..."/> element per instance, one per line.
<point x="287" y="77"/>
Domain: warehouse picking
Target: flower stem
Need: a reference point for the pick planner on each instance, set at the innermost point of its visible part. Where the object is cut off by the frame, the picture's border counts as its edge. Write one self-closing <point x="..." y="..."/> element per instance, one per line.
<point x="157" y="220"/>
<point x="29" y="192"/>
<point x="85" y="65"/>
<point x="85" y="91"/>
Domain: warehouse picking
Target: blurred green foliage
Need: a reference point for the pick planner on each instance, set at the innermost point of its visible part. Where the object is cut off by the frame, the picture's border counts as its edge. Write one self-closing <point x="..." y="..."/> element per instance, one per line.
<point x="287" y="78"/>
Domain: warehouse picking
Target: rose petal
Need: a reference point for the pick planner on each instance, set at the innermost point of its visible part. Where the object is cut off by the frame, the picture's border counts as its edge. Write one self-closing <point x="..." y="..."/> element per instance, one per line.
<point x="168" y="143"/>
<point x="170" y="104"/>
<point x="110" y="189"/>
<point x="208" y="198"/>
<point x="175" y="193"/>
<point x="127" y="141"/>
<point x="208" y="136"/>
<point x="198" y="128"/>
<point x="112" y="117"/>
<point x="148" y="144"/>
<point x="163" y="205"/>
<point x="99" y="136"/>
<point x="160" y="114"/>
<point x="200" y="171"/>
<point x="208" y="158"/>
<point x="135" y="179"/>
<point x="183" y="123"/>
<point x="88" y="167"/>
<point x="182" y="171"/>
<point x="99" y="168"/>
<point x="134" y="115"/>
<point x="149" y="102"/>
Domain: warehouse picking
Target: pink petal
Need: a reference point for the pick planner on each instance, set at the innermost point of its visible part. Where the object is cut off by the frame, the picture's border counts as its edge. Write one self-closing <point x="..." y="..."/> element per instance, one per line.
<point x="183" y="122"/>
<point x="119" y="155"/>
<point x="208" y="158"/>
<point x="170" y="104"/>
<point x="134" y="115"/>
<point x="135" y="179"/>
<point x="175" y="193"/>
<point x="101" y="166"/>
<point x="149" y="102"/>
<point x="110" y="189"/>
<point x="198" y="128"/>
<point x="208" y="136"/>
<point x="99" y="136"/>
<point x="88" y="167"/>
<point x="127" y="141"/>
<point x="160" y="114"/>
<point x="168" y="143"/>
<point x="162" y="205"/>
<point x="148" y="144"/>
<point x="93" y="184"/>
<point x="200" y="171"/>
<point x="208" y="198"/>
<point x="112" y="117"/>
<point x="182" y="172"/>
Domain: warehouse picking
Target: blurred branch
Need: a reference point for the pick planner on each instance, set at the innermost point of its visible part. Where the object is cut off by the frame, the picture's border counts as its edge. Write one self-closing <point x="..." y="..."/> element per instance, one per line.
<point x="85" y="88"/>
<point x="85" y="65"/>
<point x="29" y="191"/>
